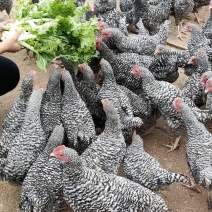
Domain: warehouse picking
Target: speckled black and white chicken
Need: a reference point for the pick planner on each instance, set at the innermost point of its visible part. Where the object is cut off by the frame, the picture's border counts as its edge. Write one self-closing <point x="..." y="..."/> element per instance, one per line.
<point x="51" y="102"/>
<point x="89" y="190"/>
<point x="207" y="27"/>
<point x="15" y="117"/>
<point x="108" y="150"/>
<point x="144" y="169"/>
<point x="92" y="100"/>
<point x="208" y="91"/>
<point x="111" y="90"/>
<point x="28" y="144"/>
<point x="169" y="60"/>
<point x="42" y="186"/>
<point x="75" y="116"/>
<point x="121" y="67"/>
<point x="107" y="12"/>
<point x="137" y="44"/>
<point x="194" y="88"/>
<point x="162" y="94"/>
<point x="206" y="79"/>
<point x="164" y="66"/>
<point x="89" y="96"/>
<point x="198" y="146"/>
<point x="153" y="13"/>
<point x="181" y="9"/>
<point x="198" y="40"/>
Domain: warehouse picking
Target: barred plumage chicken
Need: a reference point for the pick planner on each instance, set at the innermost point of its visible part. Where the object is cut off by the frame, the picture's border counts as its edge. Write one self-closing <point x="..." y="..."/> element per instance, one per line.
<point x="144" y="169"/>
<point x="89" y="190"/>
<point x="28" y="144"/>
<point x="42" y="187"/>
<point x="111" y="90"/>
<point x="75" y="116"/>
<point x="198" y="146"/>
<point x="15" y="117"/>
<point x="108" y="150"/>
<point x="51" y="102"/>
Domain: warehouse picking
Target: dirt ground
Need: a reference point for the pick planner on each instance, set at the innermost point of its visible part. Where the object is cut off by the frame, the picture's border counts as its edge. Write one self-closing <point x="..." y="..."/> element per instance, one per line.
<point x="177" y="197"/>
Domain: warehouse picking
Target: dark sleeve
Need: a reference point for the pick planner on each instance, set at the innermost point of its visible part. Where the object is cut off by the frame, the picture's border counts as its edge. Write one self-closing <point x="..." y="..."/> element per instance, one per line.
<point x="9" y="75"/>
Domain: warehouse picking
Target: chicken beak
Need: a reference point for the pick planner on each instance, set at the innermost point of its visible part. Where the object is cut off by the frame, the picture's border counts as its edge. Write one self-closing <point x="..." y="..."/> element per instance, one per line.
<point x="206" y="90"/>
<point x="190" y="61"/>
<point x="52" y="155"/>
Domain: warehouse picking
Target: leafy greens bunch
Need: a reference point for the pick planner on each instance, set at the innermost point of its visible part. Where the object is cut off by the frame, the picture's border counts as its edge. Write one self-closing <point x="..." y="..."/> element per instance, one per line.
<point x="54" y="28"/>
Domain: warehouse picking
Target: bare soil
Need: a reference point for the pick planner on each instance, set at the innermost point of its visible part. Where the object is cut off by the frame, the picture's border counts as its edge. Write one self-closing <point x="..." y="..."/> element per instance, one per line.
<point x="177" y="197"/>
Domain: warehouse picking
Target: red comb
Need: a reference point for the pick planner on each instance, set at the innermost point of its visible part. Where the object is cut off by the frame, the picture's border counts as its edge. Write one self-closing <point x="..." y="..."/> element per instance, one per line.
<point x="178" y="101"/>
<point x="98" y="40"/>
<point x="58" y="149"/>
<point x="38" y="86"/>
<point x="135" y="67"/>
<point x="99" y="24"/>
<point x="105" y="101"/>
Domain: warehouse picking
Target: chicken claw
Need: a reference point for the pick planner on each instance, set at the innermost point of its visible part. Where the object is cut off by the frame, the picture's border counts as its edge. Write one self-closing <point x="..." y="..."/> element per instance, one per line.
<point x="193" y="186"/>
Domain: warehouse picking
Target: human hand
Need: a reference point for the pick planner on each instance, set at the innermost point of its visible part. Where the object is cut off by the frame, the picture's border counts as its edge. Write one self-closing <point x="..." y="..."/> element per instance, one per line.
<point x="4" y="23"/>
<point x="11" y="44"/>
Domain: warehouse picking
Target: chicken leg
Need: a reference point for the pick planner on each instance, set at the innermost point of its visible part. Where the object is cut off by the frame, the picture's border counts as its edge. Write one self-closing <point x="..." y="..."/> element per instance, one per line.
<point x="118" y="9"/>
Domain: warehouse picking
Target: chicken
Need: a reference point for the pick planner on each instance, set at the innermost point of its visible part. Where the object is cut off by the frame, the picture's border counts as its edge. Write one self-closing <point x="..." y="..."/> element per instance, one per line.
<point x="136" y="44"/>
<point x="110" y="90"/>
<point x="144" y="169"/>
<point x="28" y="144"/>
<point x="121" y="67"/>
<point x="164" y="67"/>
<point x="162" y="94"/>
<point x="208" y="91"/>
<point x="51" y="102"/>
<point x="90" y="90"/>
<point x="205" y="76"/>
<point x="198" y="40"/>
<point x="161" y="36"/>
<point x="15" y="117"/>
<point x="207" y="27"/>
<point x="108" y="150"/>
<point x="193" y="88"/>
<point x="89" y="96"/>
<point x="42" y="187"/>
<point x="6" y="5"/>
<point x="75" y="116"/>
<point x="152" y="12"/>
<point x="198" y="146"/>
<point x="167" y="61"/>
<point x="181" y="9"/>
<point x="125" y="5"/>
<point x="89" y="190"/>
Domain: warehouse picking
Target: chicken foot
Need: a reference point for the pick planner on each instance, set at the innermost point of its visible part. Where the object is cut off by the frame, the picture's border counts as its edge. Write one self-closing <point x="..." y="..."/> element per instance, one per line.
<point x="174" y="145"/>
<point x="199" y="20"/>
<point x="193" y="186"/>
<point x="180" y="30"/>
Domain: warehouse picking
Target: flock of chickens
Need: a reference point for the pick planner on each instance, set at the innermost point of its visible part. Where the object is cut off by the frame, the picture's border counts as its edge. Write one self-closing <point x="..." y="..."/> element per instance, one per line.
<point x="49" y="143"/>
